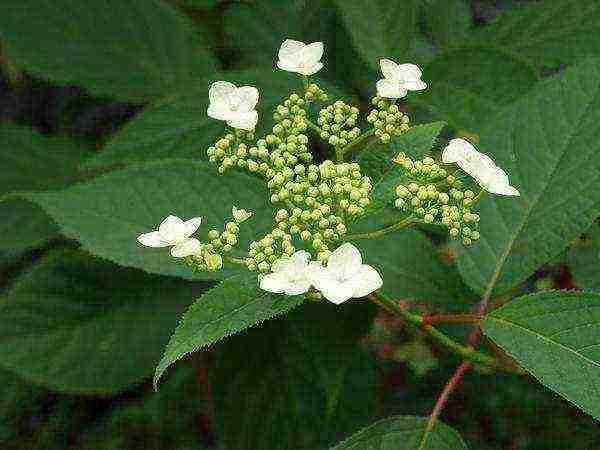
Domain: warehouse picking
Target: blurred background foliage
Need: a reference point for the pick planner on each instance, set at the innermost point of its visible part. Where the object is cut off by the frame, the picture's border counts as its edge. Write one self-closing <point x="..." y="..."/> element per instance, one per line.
<point x="477" y="55"/>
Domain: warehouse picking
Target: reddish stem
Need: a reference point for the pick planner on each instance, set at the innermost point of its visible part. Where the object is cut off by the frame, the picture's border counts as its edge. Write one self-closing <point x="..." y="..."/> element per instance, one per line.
<point x="450" y="318"/>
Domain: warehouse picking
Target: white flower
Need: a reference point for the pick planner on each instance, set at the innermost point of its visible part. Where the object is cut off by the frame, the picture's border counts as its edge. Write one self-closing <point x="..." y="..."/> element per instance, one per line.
<point x="399" y="79"/>
<point x="480" y="166"/>
<point x="289" y="275"/>
<point x="296" y="56"/>
<point x="233" y="104"/>
<point x="174" y="232"/>
<point x="345" y="276"/>
<point x="240" y="215"/>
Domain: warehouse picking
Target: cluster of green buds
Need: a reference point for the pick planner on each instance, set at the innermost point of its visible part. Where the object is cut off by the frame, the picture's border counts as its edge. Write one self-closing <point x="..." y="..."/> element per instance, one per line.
<point x="387" y="119"/>
<point x="338" y="124"/>
<point x="230" y="150"/>
<point x="433" y="196"/>
<point x="210" y="258"/>
<point x="315" y="93"/>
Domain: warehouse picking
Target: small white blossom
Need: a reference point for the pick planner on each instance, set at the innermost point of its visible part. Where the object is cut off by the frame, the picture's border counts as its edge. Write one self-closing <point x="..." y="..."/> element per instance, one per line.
<point x="240" y="215"/>
<point x="345" y="276"/>
<point x="399" y="79"/>
<point x="296" y="56"/>
<point x="480" y="166"/>
<point x="233" y="104"/>
<point x="289" y="275"/>
<point x="174" y="232"/>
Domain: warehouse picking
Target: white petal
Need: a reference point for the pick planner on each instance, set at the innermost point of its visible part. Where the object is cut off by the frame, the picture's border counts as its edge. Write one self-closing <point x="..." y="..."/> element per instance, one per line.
<point x="369" y="281"/>
<point x="345" y="261"/>
<point x="337" y="292"/>
<point x="290" y="66"/>
<point x="219" y="91"/>
<point x="409" y="72"/>
<point x="311" y="70"/>
<point x="290" y="47"/>
<point x="244" y="120"/>
<point x="274" y="282"/>
<point x="497" y="183"/>
<point x="248" y="98"/>
<point x="218" y="112"/>
<point x="186" y="248"/>
<point x="311" y="54"/>
<point x="456" y="150"/>
<point x="415" y="85"/>
<point x="389" y="68"/>
<point x="298" y="287"/>
<point x="152" y="239"/>
<point x="192" y="225"/>
<point x="389" y="89"/>
<point x="301" y="258"/>
<point x="282" y="264"/>
<point x="172" y="229"/>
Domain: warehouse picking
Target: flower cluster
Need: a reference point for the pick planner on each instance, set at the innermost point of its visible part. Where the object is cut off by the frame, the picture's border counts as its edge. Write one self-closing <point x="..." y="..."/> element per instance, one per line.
<point x="338" y="124"/>
<point x="387" y="119"/>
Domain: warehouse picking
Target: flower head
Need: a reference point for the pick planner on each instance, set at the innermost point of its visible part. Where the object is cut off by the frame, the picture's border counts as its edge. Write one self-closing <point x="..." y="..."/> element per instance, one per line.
<point x="296" y="56"/>
<point x="399" y="79"/>
<point x="345" y="276"/>
<point x="240" y="215"/>
<point x="289" y="275"/>
<point x="480" y="166"/>
<point x="174" y="232"/>
<point x="233" y="104"/>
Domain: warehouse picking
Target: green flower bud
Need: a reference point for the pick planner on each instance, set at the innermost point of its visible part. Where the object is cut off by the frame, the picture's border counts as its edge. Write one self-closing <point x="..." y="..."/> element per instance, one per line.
<point x="213" y="234"/>
<point x="232" y="227"/>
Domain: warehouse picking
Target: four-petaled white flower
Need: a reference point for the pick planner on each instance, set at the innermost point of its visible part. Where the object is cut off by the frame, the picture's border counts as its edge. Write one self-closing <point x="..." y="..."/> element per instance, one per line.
<point x="174" y="232"/>
<point x="289" y="275"/>
<point x="233" y="104"/>
<point x="480" y="166"/>
<point x="399" y="79"/>
<point x="296" y="56"/>
<point x="240" y="215"/>
<point x="345" y="276"/>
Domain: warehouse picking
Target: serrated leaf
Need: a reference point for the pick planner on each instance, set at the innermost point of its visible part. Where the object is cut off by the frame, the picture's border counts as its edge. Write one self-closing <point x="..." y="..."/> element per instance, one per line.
<point x="107" y="213"/>
<point x="555" y="336"/>
<point x="547" y="144"/>
<point x="448" y="21"/>
<point x="411" y="269"/>
<point x="301" y="382"/>
<point x="403" y="433"/>
<point x="557" y="32"/>
<point x="77" y="324"/>
<point x="584" y="259"/>
<point x="380" y="29"/>
<point x="178" y="127"/>
<point x="134" y="49"/>
<point x="236" y="304"/>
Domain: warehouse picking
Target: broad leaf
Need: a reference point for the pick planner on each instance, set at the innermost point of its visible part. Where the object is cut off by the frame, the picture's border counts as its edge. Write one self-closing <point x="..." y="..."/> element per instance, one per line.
<point x="134" y="49"/>
<point x="558" y="32"/>
<point x="236" y="304"/>
<point x="547" y="144"/>
<point x="77" y="324"/>
<point x="107" y="213"/>
<point x="556" y="337"/>
<point x="584" y="259"/>
<point x="448" y="21"/>
<point x="380" y="29"/>
<point x="301" y="382"/>
<point x="403" y="433"/>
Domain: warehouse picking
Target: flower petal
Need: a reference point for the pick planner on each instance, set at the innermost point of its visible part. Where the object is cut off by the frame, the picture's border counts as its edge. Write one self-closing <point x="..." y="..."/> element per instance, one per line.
<point x="152" y="239"/>
<point x="369" y="281"/>
<point x="282" y="264"/>
<point x="301" y="258"/>
<point x="344" y="261"/>
<point x="337" y="292"/>
<point x="192" y="225"/>
<point x="311" y="54"/>
<point x="390" y="89"/>
<point x="218" y="111"/>
<point x="415" y="85"/>
<point x="298" y="287"/>
<point x="219" y="91"/>
<point x="456" y="150"/>
<point x="172" y="229"/>
<point x="409" y="72"/>
<point x="389" y="69"/>
<point x="274" y="282"/>
<point x="311" y="70"/>
<point x="244" y="120"/>
<point x="290" y="47"/>
<point x="249" y="96"/>
<point x="186" y="248"/>
<point x="286" y="64"/>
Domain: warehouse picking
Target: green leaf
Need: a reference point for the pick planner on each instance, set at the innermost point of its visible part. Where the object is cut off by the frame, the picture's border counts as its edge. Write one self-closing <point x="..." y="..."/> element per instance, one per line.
<point x="380" y="29"/>
<point x="403" y="433"/>
<point x="583" y="259"/>
<point x="448" y="21"/>
<point x="301" y="382"/>
<point x="467" y="84"/>
<point x="555" y="336"/>
<point x="236" y="304"/>
<point x="547" y="144"/>
<point x="32" y="161"/>
<point x="78" y="324"/>
<point x="557" y="32"/>
<point x="135" y="49"/>
<point x="108" y="213"/>
<point x="411" y="269"/>
<point x="178" y="127"/>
